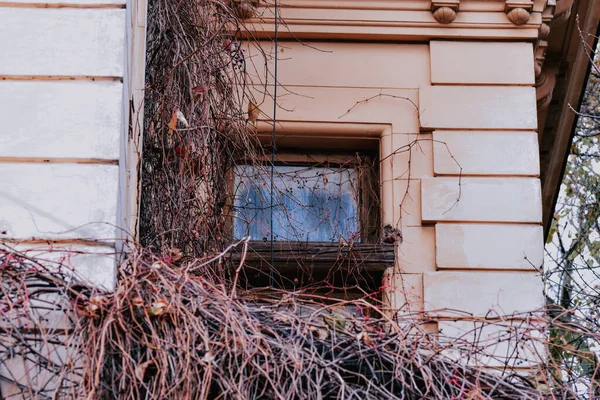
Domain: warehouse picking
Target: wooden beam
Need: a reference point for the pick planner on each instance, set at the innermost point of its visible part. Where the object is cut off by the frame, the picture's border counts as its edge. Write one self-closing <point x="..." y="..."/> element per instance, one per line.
<point x="319" y="255"/>
<point x="577" y="66"/>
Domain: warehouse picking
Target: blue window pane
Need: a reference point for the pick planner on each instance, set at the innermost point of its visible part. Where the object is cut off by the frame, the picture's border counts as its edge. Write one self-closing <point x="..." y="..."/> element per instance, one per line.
<point x="309" y="203"/>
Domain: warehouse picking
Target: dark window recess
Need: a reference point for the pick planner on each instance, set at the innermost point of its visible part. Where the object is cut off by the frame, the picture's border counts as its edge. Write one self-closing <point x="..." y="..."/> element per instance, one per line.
<point x="323" y="211"/>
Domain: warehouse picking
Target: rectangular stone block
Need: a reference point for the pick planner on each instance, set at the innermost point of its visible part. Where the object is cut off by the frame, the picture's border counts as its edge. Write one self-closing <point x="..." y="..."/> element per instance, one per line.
<point x="502" y="63"/>
<point x="481" y="200"/>
<point x="396" y="107"/>
<point x="339" y="64"/>
<point x="41" y="379"/>
<point x="405" y="292"/>
<point x="91" y="264"/>
<point x="416" y="253"/>
<point x="489" y="246"/>
<point x="62" y="41"/>
<point x="486" y="153"/>
<point x="71" y="119"/>
<point x="413" y="155"/>
<point x="52" y="201"/>
<point x="407" y="202"/>
<point x="490" y="294"/>
<point x="478" y="107"/>
<point x="512" y="344"/>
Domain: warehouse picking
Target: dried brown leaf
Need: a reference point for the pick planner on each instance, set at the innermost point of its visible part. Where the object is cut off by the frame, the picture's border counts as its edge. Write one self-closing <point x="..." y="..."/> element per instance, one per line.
<point x="140" y="370"/>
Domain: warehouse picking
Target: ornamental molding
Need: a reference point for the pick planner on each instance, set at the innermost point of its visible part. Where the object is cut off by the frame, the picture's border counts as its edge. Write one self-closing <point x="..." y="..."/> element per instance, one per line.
<point x="398" y="20"/>
<point x="444" y="12"/>
<point x="518" y="12"/>
<point x="554" y="13"/>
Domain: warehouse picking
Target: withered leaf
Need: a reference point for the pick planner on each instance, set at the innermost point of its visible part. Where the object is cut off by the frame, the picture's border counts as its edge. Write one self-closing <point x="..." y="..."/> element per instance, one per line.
<point x="157" y="308"/>
<point x="140" y="370"/>
<point x="173" y="122"/>
<point x="253" y="112"/>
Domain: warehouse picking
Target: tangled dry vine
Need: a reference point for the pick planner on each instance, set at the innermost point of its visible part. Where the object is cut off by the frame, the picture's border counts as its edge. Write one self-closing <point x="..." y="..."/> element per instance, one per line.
<point x="196" y="73"/>
<point x="178" y="325"/>
<point x="168" y="332"/>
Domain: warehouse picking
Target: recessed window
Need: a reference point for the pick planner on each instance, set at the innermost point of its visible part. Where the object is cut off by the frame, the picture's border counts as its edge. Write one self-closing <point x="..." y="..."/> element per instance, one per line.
<point x="305" y="203"/>
<point x="322" y="212"/>
<point x="308" y="197"/>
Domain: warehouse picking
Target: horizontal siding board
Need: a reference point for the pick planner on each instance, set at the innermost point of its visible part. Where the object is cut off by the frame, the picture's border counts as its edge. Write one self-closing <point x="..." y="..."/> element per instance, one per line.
<point x="504" y="63"/>
<point x="62" y="41"/>
<point x="70" y="119"/>
<point x="481" y="200"/>
<point x="489" y="246"/>
<point x="58" y="201"/>
<point x="92" y="264"/>
<point x="486" y="153"/>
<point x="340" y="64"/>
<point x="482" y="293"/>
<point x="77" y="2"/>
<point x="478" y="107"/>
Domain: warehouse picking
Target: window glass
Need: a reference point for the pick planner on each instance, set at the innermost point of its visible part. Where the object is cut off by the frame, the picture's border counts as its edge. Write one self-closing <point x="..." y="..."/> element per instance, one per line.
<point x="317" y="204"/>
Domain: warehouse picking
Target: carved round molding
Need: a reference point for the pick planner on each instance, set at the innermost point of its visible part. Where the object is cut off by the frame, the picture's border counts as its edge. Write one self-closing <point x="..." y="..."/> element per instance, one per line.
<point x="544" y="31"/>
<point x="518" y="16"/>
<point x="537" y="67"/>
<point x="545" y="83"/>
<point x="541" y="79"/>
<point x="544" y="100"/>
<point x="444" y="15"/>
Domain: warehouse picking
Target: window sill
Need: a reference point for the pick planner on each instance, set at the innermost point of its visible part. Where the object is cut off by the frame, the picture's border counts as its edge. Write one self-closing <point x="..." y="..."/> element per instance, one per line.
<point x="318" y="255"/>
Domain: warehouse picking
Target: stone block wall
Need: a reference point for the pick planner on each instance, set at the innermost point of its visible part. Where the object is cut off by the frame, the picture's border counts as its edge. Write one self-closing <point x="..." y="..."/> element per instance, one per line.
<point x="459" y="167"/>
<point x="472" y="212"/>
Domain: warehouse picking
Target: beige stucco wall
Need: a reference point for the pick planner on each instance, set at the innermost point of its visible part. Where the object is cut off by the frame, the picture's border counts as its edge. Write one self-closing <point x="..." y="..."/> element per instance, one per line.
<point x="459" y="173"/>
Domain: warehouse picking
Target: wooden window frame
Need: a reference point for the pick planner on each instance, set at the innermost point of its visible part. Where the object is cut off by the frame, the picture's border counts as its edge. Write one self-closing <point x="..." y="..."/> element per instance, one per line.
<point x="368" y="182"/>
<point x="369" y="255"/>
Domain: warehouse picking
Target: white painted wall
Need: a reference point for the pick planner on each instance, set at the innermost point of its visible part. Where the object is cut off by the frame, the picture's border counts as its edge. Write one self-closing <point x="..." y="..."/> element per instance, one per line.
<point x="58" y="201"/>
<point x="62" y="41"/>
<point x="62" y="106"/>
<point x="54" y="119"/>
<point x="64" y="112"/>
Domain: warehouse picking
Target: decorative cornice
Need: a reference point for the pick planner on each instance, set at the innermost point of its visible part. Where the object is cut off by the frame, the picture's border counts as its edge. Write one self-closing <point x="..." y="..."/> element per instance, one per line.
<point x="398" y="20"/>
<point x="555" y="11"/>
<point x="544" y="31"/>
<point x="445" y="11"/>
<point x="518" y="16"/>
<point x="518" y="12"/>
<point x="540" y="55"/>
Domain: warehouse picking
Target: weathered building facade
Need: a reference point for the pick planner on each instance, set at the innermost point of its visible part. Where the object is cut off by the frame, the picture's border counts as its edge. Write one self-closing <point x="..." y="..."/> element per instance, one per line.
<point x="457" y="98"/>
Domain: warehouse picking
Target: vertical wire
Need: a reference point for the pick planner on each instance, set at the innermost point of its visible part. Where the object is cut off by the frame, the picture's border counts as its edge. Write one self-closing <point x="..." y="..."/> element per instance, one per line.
<point x="273" y="138"/>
